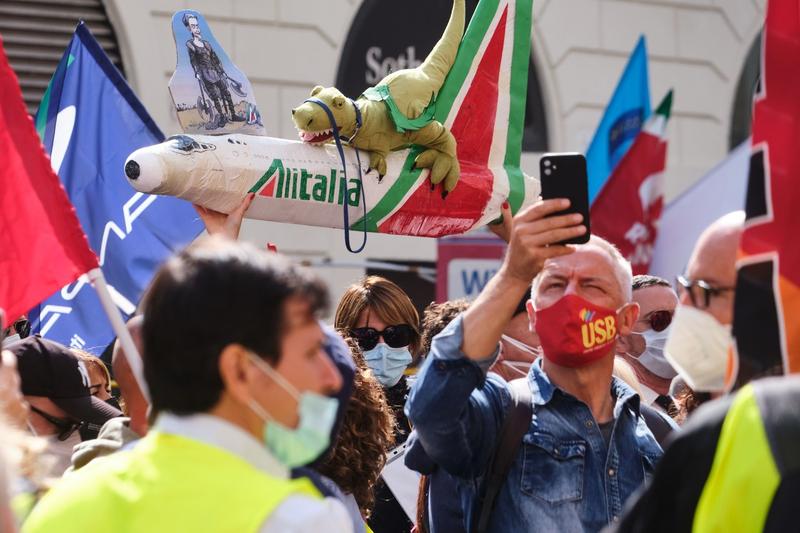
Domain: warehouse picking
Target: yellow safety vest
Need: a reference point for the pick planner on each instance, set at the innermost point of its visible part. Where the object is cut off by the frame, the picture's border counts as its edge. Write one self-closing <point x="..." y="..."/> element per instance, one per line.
<point x="165" y="483"/>
<point x="744" y="477"/>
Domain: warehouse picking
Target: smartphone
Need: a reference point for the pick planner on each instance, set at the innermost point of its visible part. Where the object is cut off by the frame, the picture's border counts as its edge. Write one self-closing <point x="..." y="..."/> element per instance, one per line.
<point x="564" y="176"/>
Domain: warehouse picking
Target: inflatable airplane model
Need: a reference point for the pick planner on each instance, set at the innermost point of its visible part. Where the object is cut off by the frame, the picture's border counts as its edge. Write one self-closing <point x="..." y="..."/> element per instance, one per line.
<point x="481" y="102"/>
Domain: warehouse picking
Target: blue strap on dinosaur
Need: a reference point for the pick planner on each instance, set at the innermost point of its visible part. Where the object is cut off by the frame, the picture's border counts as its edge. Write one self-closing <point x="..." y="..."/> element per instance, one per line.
<point x="339" y="147"/>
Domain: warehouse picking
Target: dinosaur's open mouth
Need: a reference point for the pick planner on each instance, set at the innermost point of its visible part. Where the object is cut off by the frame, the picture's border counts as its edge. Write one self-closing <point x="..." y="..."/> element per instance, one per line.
<point x="314" y="137"/>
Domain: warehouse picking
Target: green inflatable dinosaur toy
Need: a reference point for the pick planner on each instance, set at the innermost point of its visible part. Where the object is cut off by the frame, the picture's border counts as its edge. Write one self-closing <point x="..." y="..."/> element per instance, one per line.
<point x="396" y="113"/>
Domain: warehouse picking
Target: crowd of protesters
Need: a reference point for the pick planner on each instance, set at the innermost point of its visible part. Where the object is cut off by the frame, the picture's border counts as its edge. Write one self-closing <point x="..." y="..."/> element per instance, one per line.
<point x="566" y="397"/>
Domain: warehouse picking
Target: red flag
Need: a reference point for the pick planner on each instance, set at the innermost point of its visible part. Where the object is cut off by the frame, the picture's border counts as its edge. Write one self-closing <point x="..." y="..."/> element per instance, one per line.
<point x="767" y="306"/>
<point x="42" y="246"/>
<point x="628" y="208"/>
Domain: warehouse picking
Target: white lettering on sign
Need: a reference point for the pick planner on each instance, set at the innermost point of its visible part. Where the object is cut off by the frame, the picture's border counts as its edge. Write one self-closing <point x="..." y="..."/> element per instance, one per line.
<point x="638" y="232"/>
<point x="466" y="278"/>
<point x="77" y="342"/>
<point x="135" y="206"/>
<point x="128" y="216"/>
<point x="132" y="209"/>
<point x="378" y="67"/>
<point x="639" y="236"/>
<point x="65" y="124"/>
<point x="54" y="312"/>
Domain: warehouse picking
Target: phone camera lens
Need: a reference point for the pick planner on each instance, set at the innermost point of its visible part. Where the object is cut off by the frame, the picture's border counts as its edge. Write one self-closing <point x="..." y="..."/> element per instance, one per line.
<point x="547" y="162"/>
<point x="547" y="172"/>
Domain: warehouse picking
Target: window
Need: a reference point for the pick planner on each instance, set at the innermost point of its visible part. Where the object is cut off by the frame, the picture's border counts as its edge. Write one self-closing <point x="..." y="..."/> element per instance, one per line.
<point x="36" y="32"/>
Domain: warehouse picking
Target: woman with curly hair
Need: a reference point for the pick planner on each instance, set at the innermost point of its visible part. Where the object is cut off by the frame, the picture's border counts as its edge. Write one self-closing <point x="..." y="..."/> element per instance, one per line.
<point x="380" y="317"/>
<point x="438" y="490"/>
<point x="436" y="317"/>
<point x="366" y="435"/>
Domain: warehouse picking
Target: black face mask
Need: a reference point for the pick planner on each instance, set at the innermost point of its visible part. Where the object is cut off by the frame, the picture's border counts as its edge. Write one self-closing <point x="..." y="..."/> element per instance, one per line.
<point x="114" y="402"/>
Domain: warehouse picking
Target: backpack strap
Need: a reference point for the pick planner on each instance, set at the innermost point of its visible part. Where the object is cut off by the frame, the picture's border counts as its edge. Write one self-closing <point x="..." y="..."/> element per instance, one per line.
<point x="515" y="425"/>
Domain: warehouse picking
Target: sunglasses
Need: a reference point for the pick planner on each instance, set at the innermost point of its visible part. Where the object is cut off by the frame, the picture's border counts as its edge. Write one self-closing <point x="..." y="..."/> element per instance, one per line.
<point x="394" y="336"/>
<point x="700" y="291"/>
<point x="659" y="320"/>
<point x="65" y="427"/>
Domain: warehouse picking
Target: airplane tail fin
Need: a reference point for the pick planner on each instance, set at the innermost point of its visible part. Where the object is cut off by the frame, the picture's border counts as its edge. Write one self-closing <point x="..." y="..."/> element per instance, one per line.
<point x="482" y="102"/>
<point x="443" y="55"/>
<point x="483" y="99"/>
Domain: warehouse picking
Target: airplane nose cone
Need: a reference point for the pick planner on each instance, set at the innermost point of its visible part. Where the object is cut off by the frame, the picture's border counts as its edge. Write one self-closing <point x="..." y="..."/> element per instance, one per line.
<point x="144" y="171"/>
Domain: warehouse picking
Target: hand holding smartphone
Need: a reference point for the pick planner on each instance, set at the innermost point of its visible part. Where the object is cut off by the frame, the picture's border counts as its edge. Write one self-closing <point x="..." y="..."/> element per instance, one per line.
<point x="564" y="175"/>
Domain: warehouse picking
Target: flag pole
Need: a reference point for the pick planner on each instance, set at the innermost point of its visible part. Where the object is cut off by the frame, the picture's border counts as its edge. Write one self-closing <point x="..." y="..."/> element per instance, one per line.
<point x="123" y="335"/>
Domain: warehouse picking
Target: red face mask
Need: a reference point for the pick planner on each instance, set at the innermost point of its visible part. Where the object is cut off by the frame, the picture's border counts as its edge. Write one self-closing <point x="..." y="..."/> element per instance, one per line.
<point x="574" y="332"/>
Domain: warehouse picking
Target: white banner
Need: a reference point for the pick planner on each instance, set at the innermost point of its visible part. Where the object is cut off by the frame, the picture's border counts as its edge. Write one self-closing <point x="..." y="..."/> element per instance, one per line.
<point x="720" y="191"/>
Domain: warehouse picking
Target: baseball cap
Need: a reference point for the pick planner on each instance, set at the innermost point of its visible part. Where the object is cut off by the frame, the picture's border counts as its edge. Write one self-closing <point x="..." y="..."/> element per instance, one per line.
<point x="50" y="369"/>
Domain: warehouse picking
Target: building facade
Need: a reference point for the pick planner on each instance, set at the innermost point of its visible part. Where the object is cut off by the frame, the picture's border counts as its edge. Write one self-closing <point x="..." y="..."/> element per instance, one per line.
<point x="703" y="49"/>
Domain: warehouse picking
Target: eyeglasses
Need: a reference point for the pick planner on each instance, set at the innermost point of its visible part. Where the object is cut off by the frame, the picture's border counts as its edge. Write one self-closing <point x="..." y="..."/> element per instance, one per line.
<point x="65" y="427"/>
<point x="395" y="336"/>
<point x="659" y="320"/>
<point x="700" y="290"/>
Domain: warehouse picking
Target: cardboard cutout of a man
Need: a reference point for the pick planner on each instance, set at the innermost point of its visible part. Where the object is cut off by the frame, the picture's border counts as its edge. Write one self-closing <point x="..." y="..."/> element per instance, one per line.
<point x="209" y="71"/>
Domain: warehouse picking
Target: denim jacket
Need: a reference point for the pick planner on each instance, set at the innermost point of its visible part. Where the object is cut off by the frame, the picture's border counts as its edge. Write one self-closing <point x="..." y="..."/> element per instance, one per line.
<point x="564" y="477"/>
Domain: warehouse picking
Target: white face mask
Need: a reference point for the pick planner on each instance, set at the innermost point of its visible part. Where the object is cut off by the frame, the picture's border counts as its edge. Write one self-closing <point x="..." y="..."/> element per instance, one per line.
<point x="698" y="349"/>
<point x="518" y="368"/>
<point x="653" y="358"/>
<point x="535" y="352"/>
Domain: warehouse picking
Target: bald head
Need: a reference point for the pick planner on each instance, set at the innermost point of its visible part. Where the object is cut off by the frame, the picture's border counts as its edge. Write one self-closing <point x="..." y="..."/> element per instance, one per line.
<point x="714" y="261"/>
<point x="135" y="402"/>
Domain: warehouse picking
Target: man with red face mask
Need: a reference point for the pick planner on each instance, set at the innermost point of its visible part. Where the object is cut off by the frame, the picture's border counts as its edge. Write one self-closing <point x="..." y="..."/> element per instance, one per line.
<point x="585" y="449"/>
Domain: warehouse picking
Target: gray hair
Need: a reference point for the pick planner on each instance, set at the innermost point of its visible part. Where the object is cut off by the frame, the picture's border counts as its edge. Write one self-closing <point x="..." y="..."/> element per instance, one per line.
<point x="622" y="268"/>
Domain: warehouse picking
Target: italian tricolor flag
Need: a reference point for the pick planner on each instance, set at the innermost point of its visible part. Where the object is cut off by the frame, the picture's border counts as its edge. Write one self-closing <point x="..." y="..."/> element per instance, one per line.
<point x="628" y="208"/>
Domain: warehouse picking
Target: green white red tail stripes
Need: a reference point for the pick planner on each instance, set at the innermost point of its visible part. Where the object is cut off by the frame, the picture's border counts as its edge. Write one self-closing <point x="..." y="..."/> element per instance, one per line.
<point x="483" y="103"/>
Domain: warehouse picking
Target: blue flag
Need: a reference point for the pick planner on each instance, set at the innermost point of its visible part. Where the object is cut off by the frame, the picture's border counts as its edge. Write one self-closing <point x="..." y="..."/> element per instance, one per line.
<point x="89" y="122"/>
<point x="626" y="112"/>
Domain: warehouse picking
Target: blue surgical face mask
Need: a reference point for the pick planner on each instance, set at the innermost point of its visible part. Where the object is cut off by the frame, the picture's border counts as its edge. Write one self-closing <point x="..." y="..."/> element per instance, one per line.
<point x="303" y="444"/>
<point x="387" y="363"/>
